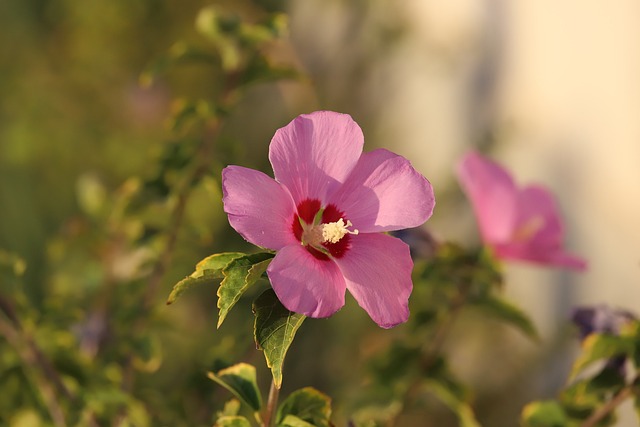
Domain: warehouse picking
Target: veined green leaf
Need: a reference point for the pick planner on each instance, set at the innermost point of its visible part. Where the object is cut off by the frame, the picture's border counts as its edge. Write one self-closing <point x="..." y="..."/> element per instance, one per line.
<point x="239" y="274"/>
<point x="207" y="271"/>
<point x="308" y="405"/>
<point x="274" y="330"/>
<point x="240" y="380"/>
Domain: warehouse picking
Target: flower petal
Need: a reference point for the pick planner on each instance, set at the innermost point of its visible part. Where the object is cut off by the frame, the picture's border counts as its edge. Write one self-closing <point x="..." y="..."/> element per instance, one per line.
<point x="540" y="255"/>
<point x="259" y="208"/>
<point x="564" y="259"/>
<point x="384" y="193"/>
<point x="493" y="196"/>
<point x="314" y="153"/>
<point x="377" y="269"/>
<point x="538" y="232"/>
<point x="537" y="211"/>
<point x="305" y="284"/>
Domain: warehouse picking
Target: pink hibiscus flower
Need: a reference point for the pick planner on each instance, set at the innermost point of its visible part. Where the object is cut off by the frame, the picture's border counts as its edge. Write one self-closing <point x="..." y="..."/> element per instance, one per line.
<point x="325" y="214"/>
<point x="521" y="224"/>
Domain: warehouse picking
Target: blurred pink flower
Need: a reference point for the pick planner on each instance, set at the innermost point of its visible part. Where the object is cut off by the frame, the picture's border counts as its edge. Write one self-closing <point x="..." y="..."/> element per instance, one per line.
<point x="325" y="214"/>
<point x="520" y="224"/>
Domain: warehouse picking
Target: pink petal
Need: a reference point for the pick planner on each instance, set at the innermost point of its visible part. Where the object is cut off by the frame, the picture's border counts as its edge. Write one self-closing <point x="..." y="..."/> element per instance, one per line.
<point x="538" y="234"/>
<point x="492" y="193"/>
<point x="384" y="193"/>
<point x="377" y="269"/>
<point x="314" y="153"/>
<point x="537" y="211"/>
<point x="305" y="284"/>
<point x="563" y="259"/>
<point x="259" y="208"/>
<point x="544" y="256"/>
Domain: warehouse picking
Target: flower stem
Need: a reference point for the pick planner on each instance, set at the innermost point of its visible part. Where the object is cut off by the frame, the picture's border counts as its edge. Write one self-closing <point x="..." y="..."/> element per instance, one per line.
<point x="608" y="407"/>
<point x="272" y="402"/>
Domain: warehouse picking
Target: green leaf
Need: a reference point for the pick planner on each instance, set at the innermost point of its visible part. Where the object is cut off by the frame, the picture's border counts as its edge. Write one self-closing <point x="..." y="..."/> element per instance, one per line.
<point x="544" y="414"/>
<point x="274" y="330"/>
<point x="439" y="372"/>
<point x="460" y="408"/>
<point x="222" y="31"/>
<point x="240" y="380"/>
<point x="239" y="274"/>
<point x="601" y="346"/>
<point x="580" y="400"/>
<point x="293" y="421"/>
<point x="308" y="405"/>
<point x="208" y="23"/>
<point x="508" y="313"/>
<point x="632" y="330"/>
<point x="208" y="270"/>
<point x="231" y="408"/>
<point x="232" y="421"/>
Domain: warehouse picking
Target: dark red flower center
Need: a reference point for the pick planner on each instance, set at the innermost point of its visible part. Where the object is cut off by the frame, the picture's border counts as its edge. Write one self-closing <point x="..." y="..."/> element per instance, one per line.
<point x="306" y="223"/>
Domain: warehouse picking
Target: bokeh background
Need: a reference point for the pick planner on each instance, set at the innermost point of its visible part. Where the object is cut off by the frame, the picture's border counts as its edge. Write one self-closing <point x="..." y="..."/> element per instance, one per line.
<point x="550" y="89"/>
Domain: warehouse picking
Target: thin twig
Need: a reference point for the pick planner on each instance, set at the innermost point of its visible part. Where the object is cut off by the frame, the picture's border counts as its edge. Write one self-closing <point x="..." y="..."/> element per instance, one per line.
<point x="608" y="407"/>
<point x="47" y="381"/>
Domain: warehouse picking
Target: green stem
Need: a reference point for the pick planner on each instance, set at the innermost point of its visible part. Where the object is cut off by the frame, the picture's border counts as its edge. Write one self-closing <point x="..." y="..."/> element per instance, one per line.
<point x="272" y="402"/>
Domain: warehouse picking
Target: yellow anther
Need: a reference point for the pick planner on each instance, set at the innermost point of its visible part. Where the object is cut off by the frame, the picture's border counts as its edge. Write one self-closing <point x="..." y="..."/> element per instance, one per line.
<point x="334" y="231"/>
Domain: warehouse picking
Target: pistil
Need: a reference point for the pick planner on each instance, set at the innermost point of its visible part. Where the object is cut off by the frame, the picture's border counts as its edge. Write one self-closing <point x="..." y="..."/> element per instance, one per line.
<point x="332" y="232"/>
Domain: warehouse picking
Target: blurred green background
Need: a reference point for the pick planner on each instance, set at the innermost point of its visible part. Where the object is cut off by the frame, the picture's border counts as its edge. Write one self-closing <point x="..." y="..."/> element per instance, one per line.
<point x="94" y="165"/>
<point x="91" y="163"/>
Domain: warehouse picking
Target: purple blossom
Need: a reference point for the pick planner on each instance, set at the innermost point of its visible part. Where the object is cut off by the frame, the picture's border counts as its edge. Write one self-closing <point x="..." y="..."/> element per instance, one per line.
<point x="600" y="319"/>
<point x="517" y="223"/>
<point x="325" y="214"/>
